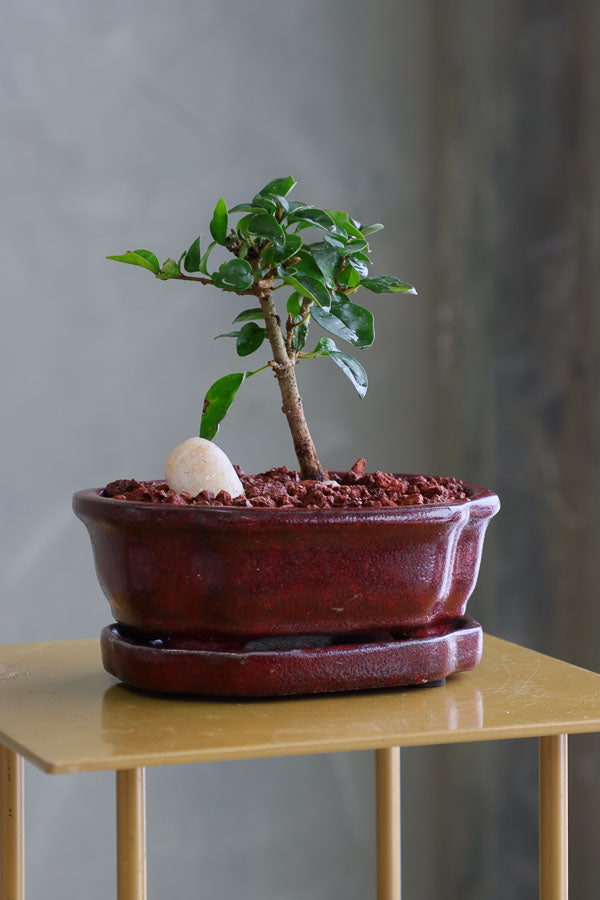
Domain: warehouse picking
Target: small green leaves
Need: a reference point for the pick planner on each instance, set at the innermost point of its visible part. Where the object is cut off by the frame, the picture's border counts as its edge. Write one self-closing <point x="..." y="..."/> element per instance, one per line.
<point x="217" y="401"/>
<point x="327" y="259"/>
<point x="218" y="224"/>
<point x="191" y="260"/>
<point x="250" y="338"/>
<point x="170" y="269"/>
<point x="305" y="265"/>
<point x="345" y="223"/>
<point x="292" y="244"/>
<point x="348" y="321"/>
<point x="299" y="336"/>
<point x="371" y="229"/>
<point x="249" y="315"/>
<point x="348" y="278"/>
<point x="219" y="398"/>
<point x="294" y="304"/>
<point x="144" y="258"/>
<point x="235" y="275"/>
<point x="268" y="203"/>
<point x="244" y="207"/>
<point x="280" y="186"/>
<point x="267" y="228"/>
<point x="310" y="288"/>
<point x="351" y="368"/>
<point x="310" y="215"/>
<point x="360" y="263"/>
<point x="267" y="249"/>
<point x="387" y="284"/>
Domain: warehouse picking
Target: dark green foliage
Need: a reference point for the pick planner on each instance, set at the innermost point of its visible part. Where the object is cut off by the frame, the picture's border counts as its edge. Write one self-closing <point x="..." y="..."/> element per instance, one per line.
<point x="143" y="258"/>
<point x="270" y="252"/>
<point x="235" y="275"/>
<point x="348" y="321"/>
<point x="219" y="398"/>
<point x="218" y="224"/>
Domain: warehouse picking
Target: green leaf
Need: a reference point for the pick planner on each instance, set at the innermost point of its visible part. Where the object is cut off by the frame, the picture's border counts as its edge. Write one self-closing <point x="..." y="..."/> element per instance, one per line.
<point x="191" y="260"/>
<point x="310" y="215"/>
<point x="359" y="266"/>
<point x="344" y="222"/>
<point x="327" y="259"/>
<point x="250" y="338"/>
<point x="242" y="225"/>
<point x="234" y="334"/>
<point x="348" y="321"/>
<point x="356" y="246"/>
<point x="170" y="269"/>
<point x="235" y="275"/>
<point x="202" y="267"/>
<point x="299" y="336"/>
<point x="387" y="284"/>
<point x="294" y="304"/>
<point x="334" y="241"/>
<point x="281" y="201"/>
<point x="348" y="277"/>
<point x="218" y="399"/>
<point x="144" y="258"/>
<point x="306" y="265"/>
<point x="371" y="229"/>
<point x="267" y="228"/>
<point x="272" y="255"/>
<point x="248" y="315"/>
<point x="267" y="203"/>
<point x="280" y="186"/>
<point x="310" y="288"/>
<point x="351" y="367"/>
<point x="218" y="223"/>
<point x="245" y="207"/>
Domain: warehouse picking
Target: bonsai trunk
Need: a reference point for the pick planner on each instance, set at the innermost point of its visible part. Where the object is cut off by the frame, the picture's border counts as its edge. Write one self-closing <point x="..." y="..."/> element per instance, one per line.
<point x="285" y="372"/>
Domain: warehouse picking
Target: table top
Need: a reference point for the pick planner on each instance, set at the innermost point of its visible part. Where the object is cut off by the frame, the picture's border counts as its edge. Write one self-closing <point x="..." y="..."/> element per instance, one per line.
<point x="63" y="713"/>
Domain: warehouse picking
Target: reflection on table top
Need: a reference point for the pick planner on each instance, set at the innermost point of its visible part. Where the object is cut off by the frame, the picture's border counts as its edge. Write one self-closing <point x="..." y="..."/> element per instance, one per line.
<point x="65" y="714"/>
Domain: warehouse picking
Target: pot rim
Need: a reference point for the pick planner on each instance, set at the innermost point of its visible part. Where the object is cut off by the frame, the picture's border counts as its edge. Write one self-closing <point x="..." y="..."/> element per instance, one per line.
<point x="480" y="503"/>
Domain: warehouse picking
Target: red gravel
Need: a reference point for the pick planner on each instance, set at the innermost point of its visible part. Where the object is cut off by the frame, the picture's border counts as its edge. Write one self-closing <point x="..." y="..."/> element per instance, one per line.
<point x="282" y="487"/>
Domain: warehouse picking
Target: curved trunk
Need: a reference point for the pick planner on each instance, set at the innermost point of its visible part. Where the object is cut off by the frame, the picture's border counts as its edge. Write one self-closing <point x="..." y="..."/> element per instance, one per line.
<point x="285" y="373"/>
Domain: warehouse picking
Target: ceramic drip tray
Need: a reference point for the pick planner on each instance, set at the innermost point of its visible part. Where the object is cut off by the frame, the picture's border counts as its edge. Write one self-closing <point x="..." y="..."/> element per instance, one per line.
<point x="291" y="664"/>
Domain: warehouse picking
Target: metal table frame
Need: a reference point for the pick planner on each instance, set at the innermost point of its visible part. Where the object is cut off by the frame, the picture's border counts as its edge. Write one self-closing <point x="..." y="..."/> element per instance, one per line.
<point x="576" y="709"/>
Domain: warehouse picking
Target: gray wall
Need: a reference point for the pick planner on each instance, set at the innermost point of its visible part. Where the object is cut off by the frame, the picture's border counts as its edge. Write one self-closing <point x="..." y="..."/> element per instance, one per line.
<point x="123" y="124"/>
<point x="469" y="129"/>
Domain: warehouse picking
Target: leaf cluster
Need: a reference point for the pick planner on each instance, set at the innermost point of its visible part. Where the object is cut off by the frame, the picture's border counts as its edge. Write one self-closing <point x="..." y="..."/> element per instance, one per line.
<point x="322" y="256"/>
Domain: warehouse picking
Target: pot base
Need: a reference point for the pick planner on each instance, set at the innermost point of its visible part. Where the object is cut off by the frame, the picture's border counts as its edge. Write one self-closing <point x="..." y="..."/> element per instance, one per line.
<point x="294" y="664"/>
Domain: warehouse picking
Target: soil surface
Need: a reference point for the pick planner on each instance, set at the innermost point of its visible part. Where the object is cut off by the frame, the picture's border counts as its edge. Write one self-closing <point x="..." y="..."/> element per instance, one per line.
<point x="283" y="487"/>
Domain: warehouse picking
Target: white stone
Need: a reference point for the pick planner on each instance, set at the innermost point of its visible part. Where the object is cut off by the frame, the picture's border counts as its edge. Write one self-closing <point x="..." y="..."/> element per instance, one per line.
<point x="199" y="465"/>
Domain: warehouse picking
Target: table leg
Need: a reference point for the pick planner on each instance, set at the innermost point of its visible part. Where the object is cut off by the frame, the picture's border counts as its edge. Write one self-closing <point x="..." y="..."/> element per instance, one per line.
<point x="131" y="834"/>
<point x="387" y="777"/>
<point x="11" y="826"/>
<point x="554" y="869"/>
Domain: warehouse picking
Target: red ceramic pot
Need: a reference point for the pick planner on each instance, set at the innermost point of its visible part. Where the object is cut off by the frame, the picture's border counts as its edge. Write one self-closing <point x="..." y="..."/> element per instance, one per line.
<point x="218" y="580"/>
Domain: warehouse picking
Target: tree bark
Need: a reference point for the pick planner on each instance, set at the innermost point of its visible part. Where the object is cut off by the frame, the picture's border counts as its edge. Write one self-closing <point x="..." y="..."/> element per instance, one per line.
<point x="285" y="373"/>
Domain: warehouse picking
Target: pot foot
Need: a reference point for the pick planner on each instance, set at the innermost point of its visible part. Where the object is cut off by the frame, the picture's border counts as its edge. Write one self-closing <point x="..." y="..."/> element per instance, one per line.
<point x="286" y="665"/>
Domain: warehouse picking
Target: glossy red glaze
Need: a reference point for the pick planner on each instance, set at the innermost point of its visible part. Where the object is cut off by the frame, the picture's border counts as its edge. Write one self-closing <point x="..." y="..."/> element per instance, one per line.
<point x="269" y="668"/>
<point x="197" y="571"/>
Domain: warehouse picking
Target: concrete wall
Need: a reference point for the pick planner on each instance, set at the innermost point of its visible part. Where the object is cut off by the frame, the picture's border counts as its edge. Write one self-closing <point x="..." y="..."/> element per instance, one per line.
<point x="471" y="130"/>
<point x="123" y="123"/>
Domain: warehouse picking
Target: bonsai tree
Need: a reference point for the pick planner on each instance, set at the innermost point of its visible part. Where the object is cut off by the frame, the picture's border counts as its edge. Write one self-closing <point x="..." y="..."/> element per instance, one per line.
<point x="270" y="252"/>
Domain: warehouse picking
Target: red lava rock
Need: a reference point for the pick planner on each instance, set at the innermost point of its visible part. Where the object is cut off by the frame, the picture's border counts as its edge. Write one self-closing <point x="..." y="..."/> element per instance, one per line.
<point x="282" y="487"/>
<point x="359" y="467"/>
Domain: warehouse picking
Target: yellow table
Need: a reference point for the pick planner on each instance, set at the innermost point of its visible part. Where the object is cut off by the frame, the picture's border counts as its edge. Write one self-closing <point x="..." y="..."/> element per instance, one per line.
<point x="63" y="713"/>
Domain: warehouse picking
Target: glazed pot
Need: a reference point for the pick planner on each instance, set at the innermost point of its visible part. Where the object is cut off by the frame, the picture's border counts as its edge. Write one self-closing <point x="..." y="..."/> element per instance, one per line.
<point x="247" y="581"/>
